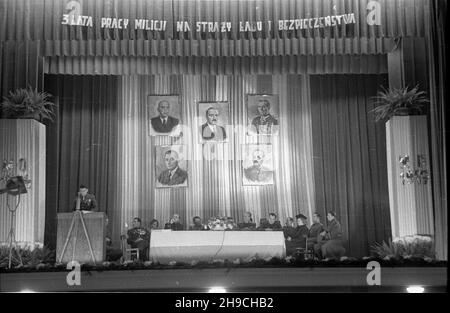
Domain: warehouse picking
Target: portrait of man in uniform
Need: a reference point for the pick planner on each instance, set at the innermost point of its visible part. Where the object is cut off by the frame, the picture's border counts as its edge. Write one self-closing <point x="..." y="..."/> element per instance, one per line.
<point x="164" y="115"/>
<point x="262" y="112"/>
<point x="171" y="167"/>
<point x="257" y="165"/>
<point x="216" y="115"/>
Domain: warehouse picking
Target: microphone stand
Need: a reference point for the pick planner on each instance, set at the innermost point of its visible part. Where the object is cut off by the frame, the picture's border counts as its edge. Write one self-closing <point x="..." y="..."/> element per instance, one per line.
<point x="12" y="232"/>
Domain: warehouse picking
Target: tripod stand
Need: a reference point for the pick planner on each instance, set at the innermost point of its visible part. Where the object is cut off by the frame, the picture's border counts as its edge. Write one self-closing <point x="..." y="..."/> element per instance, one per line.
<point x="77" y="216"/>
<point x="12" y="233"/>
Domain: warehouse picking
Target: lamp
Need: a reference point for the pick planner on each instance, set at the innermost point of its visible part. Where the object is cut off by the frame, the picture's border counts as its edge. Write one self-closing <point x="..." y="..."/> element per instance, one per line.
<point x="15" y="186"/>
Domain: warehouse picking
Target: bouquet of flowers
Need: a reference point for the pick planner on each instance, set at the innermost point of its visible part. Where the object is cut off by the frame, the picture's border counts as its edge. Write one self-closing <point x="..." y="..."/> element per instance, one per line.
<point x="221" y="223"/>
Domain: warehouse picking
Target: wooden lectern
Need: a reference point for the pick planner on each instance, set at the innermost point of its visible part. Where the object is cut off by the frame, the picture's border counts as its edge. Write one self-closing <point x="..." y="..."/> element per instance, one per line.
<point x="77" y="246"/>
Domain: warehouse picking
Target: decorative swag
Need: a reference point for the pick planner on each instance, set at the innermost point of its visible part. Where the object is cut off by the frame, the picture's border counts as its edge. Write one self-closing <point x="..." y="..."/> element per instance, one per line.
<point x="310" y="27"/>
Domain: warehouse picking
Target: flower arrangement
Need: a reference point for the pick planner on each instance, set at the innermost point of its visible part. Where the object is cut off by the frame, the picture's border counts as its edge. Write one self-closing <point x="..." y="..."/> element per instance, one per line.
<point x="237" y="263"/>
<point x="221" y="223"/>
<point x="31" y="258"/>
<point x="407" y="247"/>
<point x="413" y="175"/>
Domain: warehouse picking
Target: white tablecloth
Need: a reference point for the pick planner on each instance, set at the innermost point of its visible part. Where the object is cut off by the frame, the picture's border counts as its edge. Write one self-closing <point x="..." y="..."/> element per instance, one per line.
<point x="187" y="246"/>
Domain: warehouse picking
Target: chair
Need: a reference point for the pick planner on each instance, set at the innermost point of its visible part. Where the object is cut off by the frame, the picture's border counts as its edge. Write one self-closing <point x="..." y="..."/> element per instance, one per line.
<point x="128" y="254"/>
<point x="307" y="253"/>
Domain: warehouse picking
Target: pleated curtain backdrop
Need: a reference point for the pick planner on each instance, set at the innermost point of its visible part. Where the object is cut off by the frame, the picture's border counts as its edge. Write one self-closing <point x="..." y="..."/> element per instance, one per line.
<point x="214" y="186"/>
<point x="329" y="154"/>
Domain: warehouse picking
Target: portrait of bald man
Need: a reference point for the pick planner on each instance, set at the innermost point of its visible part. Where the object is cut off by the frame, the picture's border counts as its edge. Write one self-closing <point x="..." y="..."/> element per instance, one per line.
<point x="164" y="123"/>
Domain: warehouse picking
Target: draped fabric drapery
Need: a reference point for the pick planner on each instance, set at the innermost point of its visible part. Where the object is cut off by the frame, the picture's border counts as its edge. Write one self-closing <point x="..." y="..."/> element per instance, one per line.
<point x="308" y="64"/>
<point x="215" y="185"/>
<point x="81" y="144"/>
<point x="25" y="20"/>
<point x="350" y="158"/>
<point x="438" y="83"/>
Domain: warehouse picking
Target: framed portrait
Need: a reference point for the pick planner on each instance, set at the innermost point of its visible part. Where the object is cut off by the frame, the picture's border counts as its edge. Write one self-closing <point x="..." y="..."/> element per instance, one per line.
<point x="257" y="165"/>
<point x="171" y="166"/>
<point x="263" y="115"/>
<point x="164" y="115"/>
<point x="214" y="120"/>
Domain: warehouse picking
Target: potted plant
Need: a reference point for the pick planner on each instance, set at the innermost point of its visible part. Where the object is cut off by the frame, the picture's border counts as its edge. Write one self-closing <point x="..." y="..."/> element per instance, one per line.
<point x="24" y="144"/>
<point x="399" y="101"/>
<point x="28" y="103"/>
<point x="406" y="144"/>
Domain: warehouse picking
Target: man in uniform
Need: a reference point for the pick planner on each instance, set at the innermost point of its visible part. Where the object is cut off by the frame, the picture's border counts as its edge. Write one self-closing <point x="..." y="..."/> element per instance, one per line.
<point x="198" y="225"/>
<point x="271" y="224"/>
<point x="248" y="222"/>
<point x="264" y="122"/>
<point x="314" y="236"/>
<point x="174" y="223"/>
<point x="257" y="172"/>
<point x="87" y="200"/>
<point x="288" y="226"/>
<point x="139" y="238"/>
<point x="332" y="245"/>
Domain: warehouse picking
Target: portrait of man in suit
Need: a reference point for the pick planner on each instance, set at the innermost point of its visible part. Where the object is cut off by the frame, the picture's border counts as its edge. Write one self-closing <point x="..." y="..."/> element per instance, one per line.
<point x="167" y="121"/>
<point x="258" y="169"/>
<point x="216" y="115"/>
<point x="173" y="174"/>
<point x="265" y="122"/>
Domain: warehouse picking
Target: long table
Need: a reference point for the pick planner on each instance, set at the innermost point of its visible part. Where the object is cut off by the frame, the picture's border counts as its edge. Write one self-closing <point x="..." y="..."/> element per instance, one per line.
<point x="186" y="246"/>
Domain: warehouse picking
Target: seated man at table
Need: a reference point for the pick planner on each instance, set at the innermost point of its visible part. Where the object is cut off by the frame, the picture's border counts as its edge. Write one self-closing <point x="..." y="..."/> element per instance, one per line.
<point x="174" y="223"/>
<point x="288" y="225"/>
<point x="271" y="224"/>
<point x="331" y="244"/>
<point x="230" y="224"/>
<point x="248" y="222"/>
<point x="314" y="232"/>
<point x="139" y="238"/>
<point x="154" y="224"/>
<point x="296" y="237"/>
<point x="198" y="225"/>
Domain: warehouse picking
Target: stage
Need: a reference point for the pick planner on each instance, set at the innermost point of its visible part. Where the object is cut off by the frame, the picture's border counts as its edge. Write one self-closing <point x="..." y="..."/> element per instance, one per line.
<point x="167" y="124"/>
<point x="320" y="279"/>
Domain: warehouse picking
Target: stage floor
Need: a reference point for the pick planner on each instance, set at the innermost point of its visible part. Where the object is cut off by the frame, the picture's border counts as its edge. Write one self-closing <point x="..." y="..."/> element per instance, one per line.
<point x="232" y="279"/>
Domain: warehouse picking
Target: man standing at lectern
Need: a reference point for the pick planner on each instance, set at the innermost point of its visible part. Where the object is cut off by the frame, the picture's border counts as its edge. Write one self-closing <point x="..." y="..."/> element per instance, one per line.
<point x="87" y="200"/>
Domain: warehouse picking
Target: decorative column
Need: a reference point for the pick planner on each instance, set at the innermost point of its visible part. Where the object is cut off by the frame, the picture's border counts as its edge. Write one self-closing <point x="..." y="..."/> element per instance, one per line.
<point x="23" y="145"/>
<point x="410" y="196"/>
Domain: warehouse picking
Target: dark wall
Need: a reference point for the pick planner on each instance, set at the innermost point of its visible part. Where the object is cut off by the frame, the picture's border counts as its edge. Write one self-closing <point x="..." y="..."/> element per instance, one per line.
<point x="349" y="151"/>
<point x="81" y="143"/>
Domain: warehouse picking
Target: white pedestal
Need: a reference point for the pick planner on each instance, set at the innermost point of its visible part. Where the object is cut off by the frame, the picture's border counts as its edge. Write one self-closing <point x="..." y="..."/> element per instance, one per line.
<point x="411" y="204"/>
<point x="24" y="139"/>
